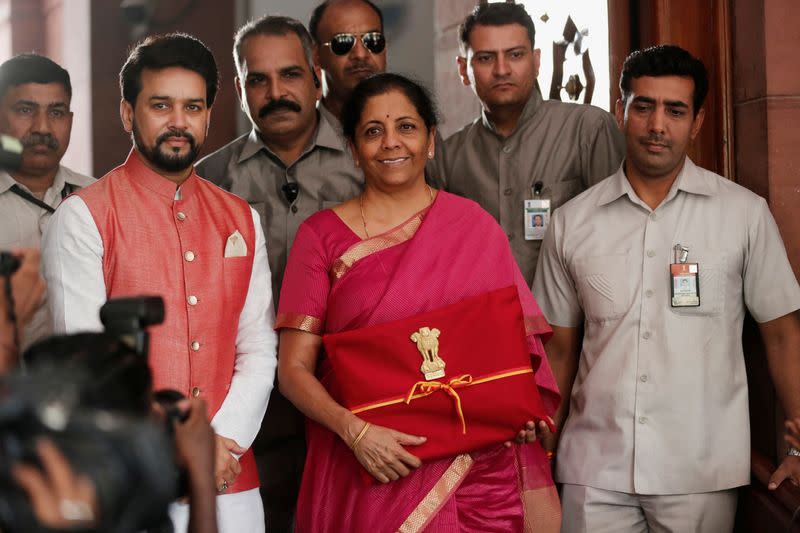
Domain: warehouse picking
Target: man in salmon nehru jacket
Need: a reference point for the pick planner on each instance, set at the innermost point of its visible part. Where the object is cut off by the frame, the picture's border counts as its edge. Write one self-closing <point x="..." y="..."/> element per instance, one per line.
<point x="152" y="226"/>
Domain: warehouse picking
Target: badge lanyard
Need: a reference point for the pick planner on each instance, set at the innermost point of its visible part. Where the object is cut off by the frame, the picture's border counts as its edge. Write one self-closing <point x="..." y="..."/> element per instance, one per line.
<point x="28" y="197"/>
<point x="536" y="213"/>
<point x="685" y="279"/>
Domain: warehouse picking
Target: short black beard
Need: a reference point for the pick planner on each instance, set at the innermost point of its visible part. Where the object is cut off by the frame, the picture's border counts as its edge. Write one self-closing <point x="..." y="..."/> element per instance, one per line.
<point x="166" y="162"/>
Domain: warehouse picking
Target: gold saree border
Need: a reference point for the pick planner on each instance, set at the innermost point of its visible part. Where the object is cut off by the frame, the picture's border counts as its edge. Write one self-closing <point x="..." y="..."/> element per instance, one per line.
<point x="438" y="495"/>
<point x="381" y="242"/>
<point x="307" y="323"/>
<point x="535" y="324"/>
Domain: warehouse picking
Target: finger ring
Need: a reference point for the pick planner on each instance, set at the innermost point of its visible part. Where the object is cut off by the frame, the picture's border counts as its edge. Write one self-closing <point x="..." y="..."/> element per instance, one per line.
<point x="223" y="487"/>
<point x="75" y="511"/>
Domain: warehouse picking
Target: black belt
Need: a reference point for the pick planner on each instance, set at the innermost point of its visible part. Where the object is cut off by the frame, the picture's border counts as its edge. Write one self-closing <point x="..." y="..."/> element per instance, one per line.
<point x="25" y="195"/>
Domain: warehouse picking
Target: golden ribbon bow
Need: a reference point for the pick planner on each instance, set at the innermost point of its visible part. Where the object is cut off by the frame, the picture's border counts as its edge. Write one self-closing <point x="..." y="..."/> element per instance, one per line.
<point x="427" y="388"/>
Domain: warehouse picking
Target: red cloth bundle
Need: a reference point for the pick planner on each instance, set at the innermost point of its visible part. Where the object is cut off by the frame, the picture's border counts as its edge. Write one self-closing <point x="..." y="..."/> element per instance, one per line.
<point x="484" y="394"/>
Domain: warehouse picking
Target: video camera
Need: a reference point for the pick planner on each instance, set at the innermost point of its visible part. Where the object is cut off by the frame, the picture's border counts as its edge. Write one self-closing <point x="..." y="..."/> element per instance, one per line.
<point x="91" y="395"/>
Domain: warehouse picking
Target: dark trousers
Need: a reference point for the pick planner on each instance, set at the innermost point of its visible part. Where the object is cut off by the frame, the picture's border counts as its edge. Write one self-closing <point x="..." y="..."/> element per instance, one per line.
<point x="280" y="452"/>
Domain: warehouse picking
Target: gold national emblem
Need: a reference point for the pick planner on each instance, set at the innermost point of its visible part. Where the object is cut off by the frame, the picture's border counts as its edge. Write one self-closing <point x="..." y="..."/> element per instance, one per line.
<point x="427" y="340"/>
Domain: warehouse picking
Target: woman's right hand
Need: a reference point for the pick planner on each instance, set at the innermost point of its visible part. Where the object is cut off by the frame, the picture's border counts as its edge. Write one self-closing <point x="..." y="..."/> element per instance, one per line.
<point x="381" y="452"/>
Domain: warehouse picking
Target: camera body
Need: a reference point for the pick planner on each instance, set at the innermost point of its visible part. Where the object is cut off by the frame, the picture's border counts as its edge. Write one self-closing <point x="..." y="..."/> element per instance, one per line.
<point x="128" y="459"/>
<point x="91" y="395"/>
<point x="8" y="264"/>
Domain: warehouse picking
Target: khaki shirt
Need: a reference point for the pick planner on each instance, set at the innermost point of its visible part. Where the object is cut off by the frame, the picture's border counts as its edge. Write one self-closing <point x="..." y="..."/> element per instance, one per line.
<point x="22" y="224"/>
<point x="567" y="147"/>
<point x="325" y="174"/>
<point x="659" y="404"/>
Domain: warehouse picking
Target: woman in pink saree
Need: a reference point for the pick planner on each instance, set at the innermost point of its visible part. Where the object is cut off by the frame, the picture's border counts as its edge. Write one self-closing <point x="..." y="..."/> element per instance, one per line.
<point x="398" y="250"/>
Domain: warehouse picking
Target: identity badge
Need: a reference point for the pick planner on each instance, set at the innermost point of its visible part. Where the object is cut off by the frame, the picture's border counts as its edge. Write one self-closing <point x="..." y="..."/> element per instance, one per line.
<point x="536" y="214"/>
<point x="685" y="279"/>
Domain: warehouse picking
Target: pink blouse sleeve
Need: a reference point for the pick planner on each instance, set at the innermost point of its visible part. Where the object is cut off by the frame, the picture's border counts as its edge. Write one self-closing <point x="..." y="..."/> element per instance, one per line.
<point x="306" y="284"/>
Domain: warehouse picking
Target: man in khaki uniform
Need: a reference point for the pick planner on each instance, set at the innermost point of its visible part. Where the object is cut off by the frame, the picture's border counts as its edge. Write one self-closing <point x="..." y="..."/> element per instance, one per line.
<point x="292" y="164"/>
<point x="658" y="264"/>
<point x="520" y="142"/>
<point x="35" y="96"/>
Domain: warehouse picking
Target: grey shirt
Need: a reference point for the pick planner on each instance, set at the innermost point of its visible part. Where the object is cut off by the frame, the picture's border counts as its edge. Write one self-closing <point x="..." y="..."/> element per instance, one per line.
<point x="324" y="173"/>
<point x="659" y="404"/>
<point x="567" y="147"/>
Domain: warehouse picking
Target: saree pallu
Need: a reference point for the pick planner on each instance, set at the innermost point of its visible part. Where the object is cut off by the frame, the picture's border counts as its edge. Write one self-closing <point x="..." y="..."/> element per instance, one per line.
<point x="336" y="282"/>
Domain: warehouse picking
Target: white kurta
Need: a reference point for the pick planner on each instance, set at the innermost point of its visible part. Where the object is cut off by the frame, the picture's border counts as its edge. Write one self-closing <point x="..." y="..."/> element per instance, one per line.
<point x="72" y="262"/>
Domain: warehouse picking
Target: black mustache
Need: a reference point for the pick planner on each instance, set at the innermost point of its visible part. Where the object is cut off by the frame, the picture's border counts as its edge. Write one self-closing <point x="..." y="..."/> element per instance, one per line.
<point x="277" y="105"/>
<point x="175" y="133"/>
<point x="655" y="139"/>
<point x="359" y="65"/>
<point x="40" y="138"/>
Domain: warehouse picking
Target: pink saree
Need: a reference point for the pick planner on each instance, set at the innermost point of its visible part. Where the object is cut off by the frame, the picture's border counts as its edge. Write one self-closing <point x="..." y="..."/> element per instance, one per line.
<point x="334" y="282"/>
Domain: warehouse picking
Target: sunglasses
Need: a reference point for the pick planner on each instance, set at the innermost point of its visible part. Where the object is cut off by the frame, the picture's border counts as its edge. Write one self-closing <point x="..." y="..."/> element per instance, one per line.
<point x="342" y="43"/>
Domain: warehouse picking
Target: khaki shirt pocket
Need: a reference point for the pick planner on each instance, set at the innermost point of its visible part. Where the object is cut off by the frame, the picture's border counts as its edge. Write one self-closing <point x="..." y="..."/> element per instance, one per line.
<point x="711" y="286"/>
<point x="565" y="190"/>
<point x="602" y="284"/>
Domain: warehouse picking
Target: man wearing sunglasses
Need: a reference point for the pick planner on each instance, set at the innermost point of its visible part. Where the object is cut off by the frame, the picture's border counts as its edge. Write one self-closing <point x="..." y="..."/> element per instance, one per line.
<point x="349" y="46"/>
<point x="290" y="165"/>
<point x="521" y="147"/>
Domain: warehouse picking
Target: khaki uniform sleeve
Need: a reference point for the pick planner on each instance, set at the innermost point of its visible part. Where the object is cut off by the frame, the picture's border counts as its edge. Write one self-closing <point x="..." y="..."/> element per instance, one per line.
<point x="553" y="286"/>
<point x="770" y="287"/>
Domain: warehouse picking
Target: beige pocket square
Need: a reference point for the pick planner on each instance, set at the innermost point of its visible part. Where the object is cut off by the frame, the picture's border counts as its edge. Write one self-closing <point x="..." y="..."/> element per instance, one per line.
<point x="235" y="247"/>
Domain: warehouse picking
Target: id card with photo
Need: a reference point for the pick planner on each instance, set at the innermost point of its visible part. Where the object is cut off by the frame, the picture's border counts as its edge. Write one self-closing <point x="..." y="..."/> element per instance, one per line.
<point x="536" y="217"/>
<point x="685" y="284"/>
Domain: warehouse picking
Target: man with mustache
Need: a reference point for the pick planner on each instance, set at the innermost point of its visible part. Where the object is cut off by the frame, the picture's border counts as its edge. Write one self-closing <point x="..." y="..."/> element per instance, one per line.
<point x="290" y="165"/>
<point x="35" y="95"/>
<point x="153" y="226"/>
<point x="521" y="147"/>
<point x="349" y="45"/>
<point x="657" y="265"/>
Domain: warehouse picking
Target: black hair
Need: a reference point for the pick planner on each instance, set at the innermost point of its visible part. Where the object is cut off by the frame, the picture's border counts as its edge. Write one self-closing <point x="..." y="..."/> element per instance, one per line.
<point x="495" y="14"/>
<point x="165" y="51"/>
<point x="32" y="68"/>
<point x="382" y="84"/>
<point x="275" y="25"/>
<point x="108" y="374"/>
<point x="665" y="60"/>
<point x="319" y="11"/>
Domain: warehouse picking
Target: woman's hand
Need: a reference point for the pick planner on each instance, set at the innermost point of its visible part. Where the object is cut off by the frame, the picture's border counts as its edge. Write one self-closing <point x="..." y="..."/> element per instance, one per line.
<point x="380" y="450"/>
<point x="528" y="433"/>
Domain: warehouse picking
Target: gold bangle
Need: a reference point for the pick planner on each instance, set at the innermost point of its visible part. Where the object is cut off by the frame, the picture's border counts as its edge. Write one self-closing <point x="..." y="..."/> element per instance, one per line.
<point x="360" y="436"/>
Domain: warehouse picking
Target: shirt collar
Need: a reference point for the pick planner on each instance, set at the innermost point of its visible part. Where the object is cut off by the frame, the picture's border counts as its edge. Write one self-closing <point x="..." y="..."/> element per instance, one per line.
<point x="61" y="177"/>
<point x="331" y="118"/>
<point x="690" y="179"/>
<point x="143" y="175"/>
<point x="531" y="107"/>
<point x="6" y="181"/>
<point x="325" y="136"/>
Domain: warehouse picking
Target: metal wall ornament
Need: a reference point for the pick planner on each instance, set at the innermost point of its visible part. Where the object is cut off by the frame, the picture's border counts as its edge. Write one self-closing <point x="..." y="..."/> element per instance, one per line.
<point x="574" y="44"/>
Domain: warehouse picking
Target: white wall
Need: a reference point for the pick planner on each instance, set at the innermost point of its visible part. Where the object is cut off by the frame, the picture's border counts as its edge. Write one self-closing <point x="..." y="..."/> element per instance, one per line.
<point x="73" y="52"/>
